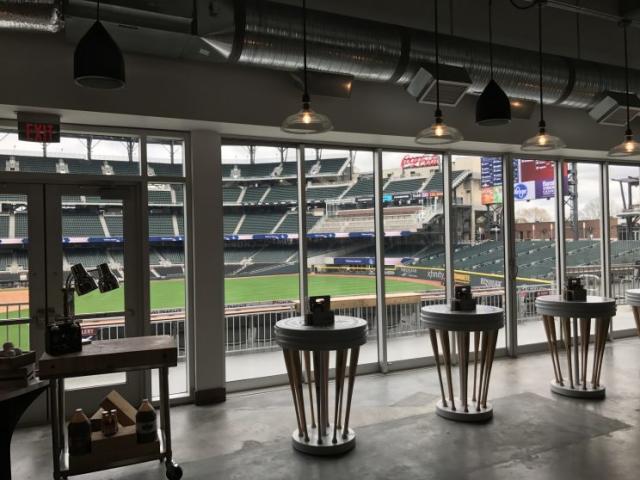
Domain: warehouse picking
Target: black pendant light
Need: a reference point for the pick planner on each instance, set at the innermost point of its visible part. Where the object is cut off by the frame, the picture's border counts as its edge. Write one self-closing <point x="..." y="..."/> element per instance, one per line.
<point x="98" y="61"/>
<point x="629" y="147"/>
<point x="542" y="141"/>
<point x="493" y="107"/>
<point x="439" y="133"/>
<point x="306" y="120"/>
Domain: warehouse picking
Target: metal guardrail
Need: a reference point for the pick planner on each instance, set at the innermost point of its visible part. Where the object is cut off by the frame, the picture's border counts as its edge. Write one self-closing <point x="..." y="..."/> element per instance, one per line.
<point x="250" y="330"/>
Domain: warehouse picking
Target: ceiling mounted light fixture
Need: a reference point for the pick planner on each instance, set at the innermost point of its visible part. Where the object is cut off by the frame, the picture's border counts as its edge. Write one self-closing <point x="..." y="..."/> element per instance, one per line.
<point x="98" y="61"/>
<point x="306" y="120"/>
<point x="439" y="133"/>
<point x="493" y="107"/>
<point x="542" y="141"/>
<point x="629" y="146"/>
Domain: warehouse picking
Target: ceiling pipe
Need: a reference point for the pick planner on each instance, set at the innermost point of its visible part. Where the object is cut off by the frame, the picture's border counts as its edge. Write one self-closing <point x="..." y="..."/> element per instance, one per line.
<point x="268" y="34"/>
<point x="31" y="15"/>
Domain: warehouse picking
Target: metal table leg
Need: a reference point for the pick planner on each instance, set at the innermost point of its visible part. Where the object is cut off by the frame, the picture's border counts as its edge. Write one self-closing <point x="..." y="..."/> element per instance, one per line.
<point x="174" y="471"/>
<point x="55" y="427"/>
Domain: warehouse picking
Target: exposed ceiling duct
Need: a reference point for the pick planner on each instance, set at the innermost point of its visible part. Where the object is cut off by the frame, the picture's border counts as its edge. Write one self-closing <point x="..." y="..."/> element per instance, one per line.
<point x="268" y="34"/>
<point x="31" y="15"/>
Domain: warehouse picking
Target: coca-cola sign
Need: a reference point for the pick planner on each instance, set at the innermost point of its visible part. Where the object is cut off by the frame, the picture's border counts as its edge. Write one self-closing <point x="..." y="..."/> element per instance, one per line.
<point x="419" y="161"/>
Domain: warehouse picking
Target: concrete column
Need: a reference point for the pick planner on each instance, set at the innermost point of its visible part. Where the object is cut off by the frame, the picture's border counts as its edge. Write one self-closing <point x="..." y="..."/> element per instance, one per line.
<point x="206" y="241"/>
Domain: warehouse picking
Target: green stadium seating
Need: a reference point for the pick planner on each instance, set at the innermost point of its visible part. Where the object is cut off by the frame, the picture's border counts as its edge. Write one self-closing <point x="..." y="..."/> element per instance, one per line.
<point x="161" y="225"/>
<point x="290" y="223"/>
<point x="324" y="193"/>
<point x="363" y="187"/>
<point x="282" y="194"/>
<point x="259" y="223"/>
<point x="81" y="225"/>
<point x="231" y="194"/>
<point x="230" y="222"/>
<point x="404" y="186"/>
<point x="21" y="225"/>
<point x="4" y="226"/>
<point x="114" y="224"/>
<point x="254" y="194"/>
<point x="84" y="167"/>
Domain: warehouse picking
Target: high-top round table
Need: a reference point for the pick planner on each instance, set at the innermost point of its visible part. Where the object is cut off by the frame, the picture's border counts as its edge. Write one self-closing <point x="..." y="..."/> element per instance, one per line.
<point x="633" y="299"/>
<point x="322" y="437"/>
<point x="484" y="323"/>
<point x="573" y="315"/>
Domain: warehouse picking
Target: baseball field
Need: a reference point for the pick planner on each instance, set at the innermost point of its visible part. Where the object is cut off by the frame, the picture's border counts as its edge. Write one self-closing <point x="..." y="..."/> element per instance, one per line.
<point x="171" y="294"/>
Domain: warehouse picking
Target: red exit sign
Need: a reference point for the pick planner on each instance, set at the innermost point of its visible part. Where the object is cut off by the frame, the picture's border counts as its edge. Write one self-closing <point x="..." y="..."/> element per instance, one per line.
<point x="38" y="127"/>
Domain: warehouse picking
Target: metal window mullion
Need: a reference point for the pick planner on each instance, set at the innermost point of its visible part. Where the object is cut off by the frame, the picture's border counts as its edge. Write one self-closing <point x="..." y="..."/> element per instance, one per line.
<point x="510" y="259"/>
<point x="381" y="304"/>
<point x="144" y="171"/>
<point x="605" y="232"/>
<point x="560" y="232"/>
<point x="449" y="235"/>
<point x="302" y="231"/>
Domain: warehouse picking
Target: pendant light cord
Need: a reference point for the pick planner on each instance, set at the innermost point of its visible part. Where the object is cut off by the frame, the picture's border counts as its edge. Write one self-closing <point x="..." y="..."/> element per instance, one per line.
<point x="437" y="46"/>
<point x="98" y="11"/>
<point x="625" y="23"/>
<point x="540" y="59"/>
<point x="305" y="96"/>
<point x="491" y="37"/>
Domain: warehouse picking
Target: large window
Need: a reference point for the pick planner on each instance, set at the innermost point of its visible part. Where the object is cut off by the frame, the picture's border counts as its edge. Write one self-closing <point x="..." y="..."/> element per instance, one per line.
<point x="261" y="258"/>
<point x="535" y="231"/>
<point x="582" y="212"/>
<point x="413" y="189"/>
<point x="624" y="209"/>
<point x="77" y="153"/>
<point x="341" y="255"/>
<point x="478" y="256"/>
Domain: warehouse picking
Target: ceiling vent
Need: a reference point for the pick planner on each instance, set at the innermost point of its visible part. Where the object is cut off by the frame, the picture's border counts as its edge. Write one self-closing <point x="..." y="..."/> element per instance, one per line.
<point x="454" y="83"/>
<point x="611" y="109"/>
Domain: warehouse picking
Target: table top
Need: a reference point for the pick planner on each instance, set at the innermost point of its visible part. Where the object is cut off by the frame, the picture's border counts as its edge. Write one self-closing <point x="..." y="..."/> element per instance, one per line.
<point x="483" y="318"/>
<point x="346" y="332"/>
<point x="593" y="307"/>
<point x="633" y="297"/>
<point x="109" y="356"/>
<point x="11" y="393"/>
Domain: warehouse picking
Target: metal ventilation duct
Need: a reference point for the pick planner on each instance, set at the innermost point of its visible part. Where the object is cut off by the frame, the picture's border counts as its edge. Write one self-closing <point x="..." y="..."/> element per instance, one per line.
<point x="269" y="35"/>
<point x="31" y="15"/>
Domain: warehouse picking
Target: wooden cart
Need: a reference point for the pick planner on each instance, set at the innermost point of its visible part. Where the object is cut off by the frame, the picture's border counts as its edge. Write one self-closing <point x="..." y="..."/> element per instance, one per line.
<point x="122" y="355"/>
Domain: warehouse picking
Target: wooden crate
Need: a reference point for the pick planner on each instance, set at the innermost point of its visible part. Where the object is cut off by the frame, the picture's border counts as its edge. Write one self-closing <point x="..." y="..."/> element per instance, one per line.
<point x="119" y="449"/>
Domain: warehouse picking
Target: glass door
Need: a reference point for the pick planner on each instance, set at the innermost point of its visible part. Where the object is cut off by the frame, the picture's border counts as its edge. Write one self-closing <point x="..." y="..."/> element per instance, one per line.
<point x="22" y="292"/>
<point x="95" y="274"/>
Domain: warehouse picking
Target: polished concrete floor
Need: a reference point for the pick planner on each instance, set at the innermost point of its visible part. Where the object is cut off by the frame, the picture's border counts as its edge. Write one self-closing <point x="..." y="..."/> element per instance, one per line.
<point x="534" y="434"/>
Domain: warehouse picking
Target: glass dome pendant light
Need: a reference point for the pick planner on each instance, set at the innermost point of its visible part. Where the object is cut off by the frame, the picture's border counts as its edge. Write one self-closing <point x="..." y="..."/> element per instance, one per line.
<point x="542" y="141"/>
<point x="306" y="120"/>
<point x="439" y="133"/>
<point x="493" y="107"/>
<point x="630" y="146"/>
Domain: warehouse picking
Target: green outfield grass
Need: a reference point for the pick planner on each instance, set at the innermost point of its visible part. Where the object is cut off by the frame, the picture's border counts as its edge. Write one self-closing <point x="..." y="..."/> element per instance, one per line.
<point x="170" y="294"/>
<point x="285" y="287"/>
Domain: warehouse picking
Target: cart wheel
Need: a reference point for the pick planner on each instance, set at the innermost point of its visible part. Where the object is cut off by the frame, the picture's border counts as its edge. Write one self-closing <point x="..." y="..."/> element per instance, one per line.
<point x="174" y="471"/>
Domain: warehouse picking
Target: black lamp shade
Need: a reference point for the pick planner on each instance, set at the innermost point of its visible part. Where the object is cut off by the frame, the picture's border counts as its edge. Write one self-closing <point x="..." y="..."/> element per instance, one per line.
<point x="83" y="281"/>
<point x="493" y="107"/>
<point x="98" y="61"/>
<point x="107" y="281"/>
